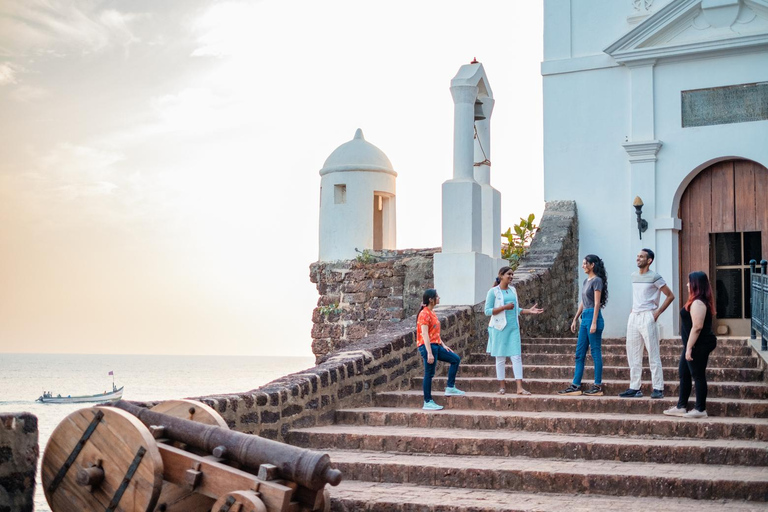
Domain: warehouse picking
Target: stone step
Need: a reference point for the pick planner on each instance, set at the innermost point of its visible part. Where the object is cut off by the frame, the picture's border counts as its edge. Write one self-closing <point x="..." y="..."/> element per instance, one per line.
<point x="620" y="373"/>
<point x="749" y="429"/>
<point x="671" y="361"/>
<point x="733" y="341"/>
<point x="668" y="349"/>
<point x="505" y="443"/>
<point x="357" y="496"/>
<point x="582" y="404"/>
<point x="715" y="389"/>
<point x="697" y="481"/>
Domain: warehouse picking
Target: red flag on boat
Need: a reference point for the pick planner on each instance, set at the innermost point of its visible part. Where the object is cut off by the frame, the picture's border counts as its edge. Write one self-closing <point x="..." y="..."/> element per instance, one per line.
<point x="111" y="372"/>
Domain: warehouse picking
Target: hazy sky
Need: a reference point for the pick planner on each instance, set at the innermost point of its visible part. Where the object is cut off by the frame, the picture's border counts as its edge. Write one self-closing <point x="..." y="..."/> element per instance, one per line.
<point x="159" y="159"/>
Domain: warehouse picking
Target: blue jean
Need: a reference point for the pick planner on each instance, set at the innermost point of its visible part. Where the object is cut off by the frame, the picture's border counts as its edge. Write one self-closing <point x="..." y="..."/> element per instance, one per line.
<point x="589" y="341"/>
<point x="429" y="369"/>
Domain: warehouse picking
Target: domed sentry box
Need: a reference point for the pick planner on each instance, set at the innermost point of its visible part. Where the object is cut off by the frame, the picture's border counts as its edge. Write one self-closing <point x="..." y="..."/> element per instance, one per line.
<point x="178" y="456"/>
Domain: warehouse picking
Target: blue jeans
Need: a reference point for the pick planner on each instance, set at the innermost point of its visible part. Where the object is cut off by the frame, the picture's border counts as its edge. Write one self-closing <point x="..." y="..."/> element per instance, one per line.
<point x="429" y="369"/>
<point x="589" y="341"/>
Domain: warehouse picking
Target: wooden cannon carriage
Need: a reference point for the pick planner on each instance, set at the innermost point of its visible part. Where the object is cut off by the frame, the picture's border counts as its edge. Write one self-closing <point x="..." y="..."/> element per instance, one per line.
<point x="179" y="456"/>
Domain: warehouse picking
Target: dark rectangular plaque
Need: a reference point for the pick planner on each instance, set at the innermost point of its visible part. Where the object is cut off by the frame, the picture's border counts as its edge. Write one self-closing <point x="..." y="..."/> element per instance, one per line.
<point x="725" y="105"/>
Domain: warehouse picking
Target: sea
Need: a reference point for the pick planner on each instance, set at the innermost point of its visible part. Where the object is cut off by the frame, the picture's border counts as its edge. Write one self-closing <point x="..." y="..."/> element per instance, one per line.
<point x="24" y="377"/>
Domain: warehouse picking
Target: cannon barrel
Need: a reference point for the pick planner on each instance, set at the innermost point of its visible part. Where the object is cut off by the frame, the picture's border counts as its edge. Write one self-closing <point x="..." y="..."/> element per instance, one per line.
<point x="306" y="467"/>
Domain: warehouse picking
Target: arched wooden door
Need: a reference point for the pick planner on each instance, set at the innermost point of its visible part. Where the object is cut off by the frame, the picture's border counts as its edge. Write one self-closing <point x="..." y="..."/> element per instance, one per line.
<point x="724" y="214"/>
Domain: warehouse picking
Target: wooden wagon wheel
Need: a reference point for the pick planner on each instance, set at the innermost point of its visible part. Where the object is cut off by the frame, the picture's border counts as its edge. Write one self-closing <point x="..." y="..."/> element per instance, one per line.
<point x="176" y="498"/>
<point x="239" y="501"/>
<point x="101" y="458"/>
<point x="191" y="410"/>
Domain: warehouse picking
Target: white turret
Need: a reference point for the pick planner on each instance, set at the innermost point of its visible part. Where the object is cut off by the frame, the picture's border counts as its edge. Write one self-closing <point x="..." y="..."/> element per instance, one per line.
<point x="357" y="201"/>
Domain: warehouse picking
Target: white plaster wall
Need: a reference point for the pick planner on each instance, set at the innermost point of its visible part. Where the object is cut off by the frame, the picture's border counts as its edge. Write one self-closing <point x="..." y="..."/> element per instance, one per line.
<point x="346" y="226"/>
<point x="587" y="115"/>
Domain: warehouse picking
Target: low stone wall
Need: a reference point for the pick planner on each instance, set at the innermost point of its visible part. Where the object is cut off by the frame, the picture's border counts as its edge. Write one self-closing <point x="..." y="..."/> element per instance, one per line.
<point x="357" y="298"/>
<point x="385" y="360"/>
<point x="18" y="461"/>
<point x="547" y="275"/>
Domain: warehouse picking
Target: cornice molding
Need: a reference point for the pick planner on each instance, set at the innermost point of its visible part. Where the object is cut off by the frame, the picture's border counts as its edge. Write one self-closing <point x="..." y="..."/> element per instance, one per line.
<point x="642" y="151"/>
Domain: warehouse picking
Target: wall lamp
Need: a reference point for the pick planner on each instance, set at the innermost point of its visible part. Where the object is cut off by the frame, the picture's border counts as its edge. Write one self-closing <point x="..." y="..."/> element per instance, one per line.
<point x="642" y="224"/>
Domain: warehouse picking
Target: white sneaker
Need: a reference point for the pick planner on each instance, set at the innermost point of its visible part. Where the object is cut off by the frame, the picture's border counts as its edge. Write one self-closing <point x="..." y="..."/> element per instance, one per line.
<point x="676" y="411"/>
<point x="453" y="392"/>
<point x="431" y="406"/>
<point x="693" y="413"/>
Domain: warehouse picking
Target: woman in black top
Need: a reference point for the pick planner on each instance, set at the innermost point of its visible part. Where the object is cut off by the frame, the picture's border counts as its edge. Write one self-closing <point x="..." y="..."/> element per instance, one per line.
<point x="698" y="342"/>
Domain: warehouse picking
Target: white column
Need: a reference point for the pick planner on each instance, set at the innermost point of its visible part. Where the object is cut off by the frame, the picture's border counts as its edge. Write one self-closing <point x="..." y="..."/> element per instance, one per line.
<point x="668" y="252"/>
<point x="462" y="271"/>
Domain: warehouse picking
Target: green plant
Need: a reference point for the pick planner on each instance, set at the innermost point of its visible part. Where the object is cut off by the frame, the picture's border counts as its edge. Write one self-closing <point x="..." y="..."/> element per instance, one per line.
<point x="366" y="257"/>
<point x="518" y="238"/>
<point x="327" y="310"/>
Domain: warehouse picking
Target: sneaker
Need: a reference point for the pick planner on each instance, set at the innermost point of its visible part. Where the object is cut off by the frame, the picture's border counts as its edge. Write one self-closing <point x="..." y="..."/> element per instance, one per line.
<point x="631" y="393"/>
<point x="595" y="390"/>
<point x="657" y="393"/>
<point x="573" y="389"/>
<point x="431" y="406"/>
<point x="693" y="413"/>
<point x="454" y="392"/>
<point x="676" y="411"/>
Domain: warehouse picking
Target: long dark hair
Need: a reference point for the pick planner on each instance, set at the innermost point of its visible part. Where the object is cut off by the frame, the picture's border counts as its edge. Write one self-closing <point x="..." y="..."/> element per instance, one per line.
<point x="700" y="290"/>
<point x="429" y="294"/>
<point x="502" y="271"/>
<point x="599" y="270"/>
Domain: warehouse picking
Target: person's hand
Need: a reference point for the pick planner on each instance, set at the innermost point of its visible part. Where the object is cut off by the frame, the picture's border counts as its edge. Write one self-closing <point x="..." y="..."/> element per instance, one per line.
<point x="511" y="305"/>
<point x="573" y="325"/>
<point x="593" y="329"/>
<point x="446" y="347"/>
<point x="655" y="315"/>
<point x="535" y="310"/>
<point x="430" y="358"/>
<point x="688" y="355"/>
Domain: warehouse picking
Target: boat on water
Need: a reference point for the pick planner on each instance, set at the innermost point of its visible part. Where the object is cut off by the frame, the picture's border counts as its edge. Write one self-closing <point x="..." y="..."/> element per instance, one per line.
<point x="107" y="396"/>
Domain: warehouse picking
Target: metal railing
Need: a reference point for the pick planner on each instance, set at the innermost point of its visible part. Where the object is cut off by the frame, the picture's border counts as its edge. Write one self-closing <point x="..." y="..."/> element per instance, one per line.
<point x="759" y="280"/>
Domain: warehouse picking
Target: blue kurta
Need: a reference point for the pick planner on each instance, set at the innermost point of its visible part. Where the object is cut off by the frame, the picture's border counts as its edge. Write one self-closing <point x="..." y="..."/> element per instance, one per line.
<point x="507" y="341"/>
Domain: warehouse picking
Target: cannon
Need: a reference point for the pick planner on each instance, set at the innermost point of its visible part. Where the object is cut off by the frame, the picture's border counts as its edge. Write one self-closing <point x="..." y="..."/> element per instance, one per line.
<point x="178" y="456"/>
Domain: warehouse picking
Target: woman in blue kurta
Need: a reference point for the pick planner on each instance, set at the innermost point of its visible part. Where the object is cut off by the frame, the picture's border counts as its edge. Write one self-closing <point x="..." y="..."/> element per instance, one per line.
<point x="503" y="307"/>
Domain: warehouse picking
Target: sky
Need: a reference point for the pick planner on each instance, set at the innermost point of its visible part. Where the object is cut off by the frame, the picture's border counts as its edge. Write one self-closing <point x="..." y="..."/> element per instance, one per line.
<point x="159" y="161"/>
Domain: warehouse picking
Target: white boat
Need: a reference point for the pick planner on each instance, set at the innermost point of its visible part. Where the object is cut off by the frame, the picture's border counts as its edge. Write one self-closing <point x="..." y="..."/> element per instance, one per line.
<point x="48" y="398"/>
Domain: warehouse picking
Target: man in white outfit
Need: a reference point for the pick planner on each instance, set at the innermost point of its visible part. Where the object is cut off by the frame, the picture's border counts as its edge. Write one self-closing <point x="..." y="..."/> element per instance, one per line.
<point x="647" y="287"/>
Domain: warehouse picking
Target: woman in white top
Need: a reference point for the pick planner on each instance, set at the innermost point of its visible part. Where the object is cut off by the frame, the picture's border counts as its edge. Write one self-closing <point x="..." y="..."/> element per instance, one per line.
<point x="503" y="307"/>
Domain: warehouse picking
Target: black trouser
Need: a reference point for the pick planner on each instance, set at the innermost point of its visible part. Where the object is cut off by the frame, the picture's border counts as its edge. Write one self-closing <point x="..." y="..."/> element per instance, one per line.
<point x="698" y="370"/>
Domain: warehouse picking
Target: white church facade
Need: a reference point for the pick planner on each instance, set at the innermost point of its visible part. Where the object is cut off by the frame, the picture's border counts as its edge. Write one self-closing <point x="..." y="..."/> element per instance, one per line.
<point x="666" y="101"/>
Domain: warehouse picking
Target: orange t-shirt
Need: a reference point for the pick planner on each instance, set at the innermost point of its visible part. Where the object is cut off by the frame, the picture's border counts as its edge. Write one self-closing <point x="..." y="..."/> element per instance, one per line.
<point x="429" y="318"/>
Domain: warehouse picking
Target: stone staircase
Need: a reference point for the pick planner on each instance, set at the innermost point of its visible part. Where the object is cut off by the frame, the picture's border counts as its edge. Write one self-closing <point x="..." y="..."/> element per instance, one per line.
<point x="545" y="452"/>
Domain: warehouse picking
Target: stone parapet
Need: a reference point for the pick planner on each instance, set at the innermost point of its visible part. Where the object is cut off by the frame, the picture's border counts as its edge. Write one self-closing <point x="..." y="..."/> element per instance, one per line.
<point x="18" y="461"/>
<point x="383" y="361"/>
<point x="358" y="297"/>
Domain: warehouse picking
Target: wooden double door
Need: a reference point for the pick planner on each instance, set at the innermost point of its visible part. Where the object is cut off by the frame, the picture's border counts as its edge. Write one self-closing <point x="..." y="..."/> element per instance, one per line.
<point x="724" y="214"/>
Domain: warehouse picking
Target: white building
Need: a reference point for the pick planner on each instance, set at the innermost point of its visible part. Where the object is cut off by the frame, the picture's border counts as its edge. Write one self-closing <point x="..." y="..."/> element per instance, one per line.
<point x="668" y="101"/>
<point x="357" y="201"/>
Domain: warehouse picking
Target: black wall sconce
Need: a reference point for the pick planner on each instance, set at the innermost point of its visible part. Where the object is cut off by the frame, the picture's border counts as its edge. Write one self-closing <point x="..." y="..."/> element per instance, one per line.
<point x="642" y="224"/>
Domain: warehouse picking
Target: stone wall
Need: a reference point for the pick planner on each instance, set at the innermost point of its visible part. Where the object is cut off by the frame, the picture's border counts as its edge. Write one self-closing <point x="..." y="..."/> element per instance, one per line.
<point x="384" y="360"/>
<point x="359" y="297"/>
<point x="547" y="275"/>
<point x="18" y="461"/>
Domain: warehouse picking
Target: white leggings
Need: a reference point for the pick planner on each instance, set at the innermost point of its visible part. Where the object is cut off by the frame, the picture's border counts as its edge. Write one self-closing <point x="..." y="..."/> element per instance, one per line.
<point x="517" y="367"/>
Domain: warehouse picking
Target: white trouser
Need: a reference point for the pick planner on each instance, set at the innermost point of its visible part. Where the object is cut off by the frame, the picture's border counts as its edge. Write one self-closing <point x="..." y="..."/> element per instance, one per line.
<point x="642" y="329"/>
<point x="517" y="367"/>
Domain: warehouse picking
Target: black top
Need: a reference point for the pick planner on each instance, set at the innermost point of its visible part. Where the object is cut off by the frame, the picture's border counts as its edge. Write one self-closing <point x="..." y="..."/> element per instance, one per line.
<point x="686" y="324"/>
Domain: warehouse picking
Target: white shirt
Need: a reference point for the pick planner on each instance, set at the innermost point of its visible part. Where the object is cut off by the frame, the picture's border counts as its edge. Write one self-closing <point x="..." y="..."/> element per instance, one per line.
<point x="646" y="291"/>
